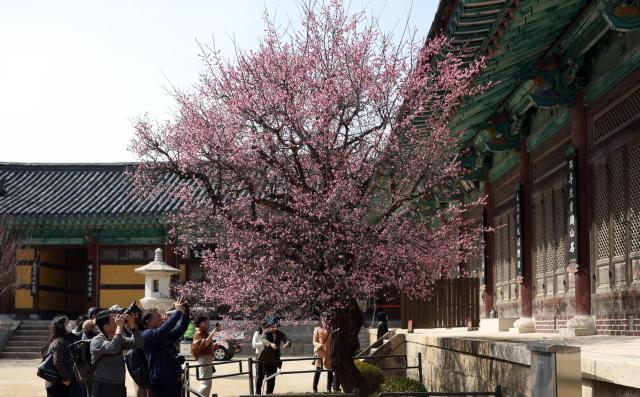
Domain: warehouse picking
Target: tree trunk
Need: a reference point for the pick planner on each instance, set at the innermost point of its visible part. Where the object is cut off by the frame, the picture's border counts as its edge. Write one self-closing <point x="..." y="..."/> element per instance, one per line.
<point x="347" y="323"/>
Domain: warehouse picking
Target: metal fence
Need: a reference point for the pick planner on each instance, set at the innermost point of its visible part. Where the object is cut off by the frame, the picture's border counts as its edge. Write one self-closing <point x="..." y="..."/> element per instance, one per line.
<point x="188" y="390"/>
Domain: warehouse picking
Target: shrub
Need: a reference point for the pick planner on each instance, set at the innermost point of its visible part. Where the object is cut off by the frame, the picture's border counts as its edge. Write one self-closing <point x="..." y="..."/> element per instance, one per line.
<point x="399" y="384"/>
<point x="371" y="373"/>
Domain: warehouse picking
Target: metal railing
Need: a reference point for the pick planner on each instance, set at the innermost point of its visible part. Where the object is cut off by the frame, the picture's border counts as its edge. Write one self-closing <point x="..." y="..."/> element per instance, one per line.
<point x="352" y="394"/>
<point x="496" y="393"/>
<point x="251" y="361"/>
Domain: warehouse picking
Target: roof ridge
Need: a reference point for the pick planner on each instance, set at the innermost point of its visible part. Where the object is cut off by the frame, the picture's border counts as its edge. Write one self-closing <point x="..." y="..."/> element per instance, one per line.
<point x="65" y="166"/>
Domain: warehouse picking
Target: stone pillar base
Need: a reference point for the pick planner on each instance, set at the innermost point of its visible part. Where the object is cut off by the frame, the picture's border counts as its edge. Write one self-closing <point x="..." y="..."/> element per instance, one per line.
<point x="580" y="325"/>
<point x="162" y="304"/>
<point x="495" y="324"/>
<point x="524" y="325"/>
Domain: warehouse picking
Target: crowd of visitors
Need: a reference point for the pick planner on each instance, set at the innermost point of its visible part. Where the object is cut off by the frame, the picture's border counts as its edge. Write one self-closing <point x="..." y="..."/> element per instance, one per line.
<point x="146" y="343"/>
<point x="109" y="338"/>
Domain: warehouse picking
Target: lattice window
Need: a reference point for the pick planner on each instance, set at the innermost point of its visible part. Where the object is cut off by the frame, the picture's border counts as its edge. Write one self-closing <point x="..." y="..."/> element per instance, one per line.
<point x="634" y="198"/>
<point x="616" y="175"/>
<point x="616" y="118"/>
<point x="559" y="197"/>
<point x="549" y="162"/>
<point x="538" y="236"/>
<point x="549" y="247"/>
<point x="600" y="210"/>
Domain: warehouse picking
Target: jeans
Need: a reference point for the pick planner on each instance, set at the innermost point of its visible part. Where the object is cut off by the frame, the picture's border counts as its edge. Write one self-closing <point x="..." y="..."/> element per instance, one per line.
<point x="259" y="376"/>
<point x="103" y="389"/>
<point x="270" y="369"/>
<point x="205" y="372"/>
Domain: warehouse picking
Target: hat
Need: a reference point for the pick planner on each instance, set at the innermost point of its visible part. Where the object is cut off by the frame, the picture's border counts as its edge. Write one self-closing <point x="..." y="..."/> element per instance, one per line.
<point x="93" y="311"/>
<point x="116" y="308"/>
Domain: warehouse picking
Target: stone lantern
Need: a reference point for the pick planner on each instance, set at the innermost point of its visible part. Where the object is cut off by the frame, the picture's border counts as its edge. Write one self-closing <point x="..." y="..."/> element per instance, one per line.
<point x="157" y="280"/>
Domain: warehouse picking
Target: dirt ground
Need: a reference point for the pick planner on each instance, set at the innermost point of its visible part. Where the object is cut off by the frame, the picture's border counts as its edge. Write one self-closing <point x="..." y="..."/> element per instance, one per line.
<point x="18" y="379"/>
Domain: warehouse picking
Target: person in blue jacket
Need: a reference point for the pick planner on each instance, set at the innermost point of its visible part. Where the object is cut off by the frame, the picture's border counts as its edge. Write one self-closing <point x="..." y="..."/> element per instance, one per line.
<point x="159" y="340"/>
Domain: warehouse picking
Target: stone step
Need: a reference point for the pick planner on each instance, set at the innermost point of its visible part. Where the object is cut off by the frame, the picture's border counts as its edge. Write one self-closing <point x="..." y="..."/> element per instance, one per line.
<point x="27" y="332"/>
<point x="22" y="349"/>
<point x="17" y="343"/>
<point x="38" y="338"/>
<point x="19" y="356"/>
<point x="43" y="327"/>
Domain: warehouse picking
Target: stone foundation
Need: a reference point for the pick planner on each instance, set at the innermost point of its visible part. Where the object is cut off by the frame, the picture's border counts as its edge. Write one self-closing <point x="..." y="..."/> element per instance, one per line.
<point x="457" y="363"/>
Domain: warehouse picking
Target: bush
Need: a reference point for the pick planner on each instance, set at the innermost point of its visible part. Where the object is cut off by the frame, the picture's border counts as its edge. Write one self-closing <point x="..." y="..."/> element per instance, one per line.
<point x="371" y="373"/>
<point x="399" y="384"/>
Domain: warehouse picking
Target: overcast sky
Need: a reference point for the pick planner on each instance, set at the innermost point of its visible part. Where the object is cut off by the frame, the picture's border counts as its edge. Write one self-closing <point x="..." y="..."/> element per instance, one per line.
<point x="74" y="74"/>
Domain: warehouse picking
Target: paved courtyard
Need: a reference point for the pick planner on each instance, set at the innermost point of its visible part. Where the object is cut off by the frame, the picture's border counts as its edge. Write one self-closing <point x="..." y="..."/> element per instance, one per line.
<point x="19" y="379"/>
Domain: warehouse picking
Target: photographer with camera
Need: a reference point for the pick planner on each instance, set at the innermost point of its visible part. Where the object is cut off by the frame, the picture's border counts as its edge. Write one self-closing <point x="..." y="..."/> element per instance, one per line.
<point x="106" y="353"/>
<point x="163" y="360"/>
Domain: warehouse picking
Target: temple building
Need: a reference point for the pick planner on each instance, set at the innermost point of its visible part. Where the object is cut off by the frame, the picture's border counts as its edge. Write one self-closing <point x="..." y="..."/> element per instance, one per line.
<point x="82" y="233"/>
<point x="554" y="145"/>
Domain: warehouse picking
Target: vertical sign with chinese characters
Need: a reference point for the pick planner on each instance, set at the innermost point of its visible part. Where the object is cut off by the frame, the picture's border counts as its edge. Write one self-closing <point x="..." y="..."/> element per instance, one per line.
<point x="572" y="207"/>
<point x="518" y="226"/>
<point x="90" y="281"/>
<point x="483" y="263"/>
<point x="35" y="271"/>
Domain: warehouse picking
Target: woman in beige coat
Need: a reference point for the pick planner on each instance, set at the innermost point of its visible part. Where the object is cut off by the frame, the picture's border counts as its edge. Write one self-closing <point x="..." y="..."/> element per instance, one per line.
<point x="322" y="350"/>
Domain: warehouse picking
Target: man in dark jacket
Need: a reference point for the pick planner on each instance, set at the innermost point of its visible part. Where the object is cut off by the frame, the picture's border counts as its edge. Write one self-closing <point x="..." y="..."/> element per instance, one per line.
<point x="383" y="327"/>
<point x="272" y="340"/>
<point x="163" y="361"/>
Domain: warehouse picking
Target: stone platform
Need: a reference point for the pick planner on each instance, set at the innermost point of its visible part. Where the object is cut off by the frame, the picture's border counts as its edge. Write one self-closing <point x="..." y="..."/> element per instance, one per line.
<point x="456" y="359"/>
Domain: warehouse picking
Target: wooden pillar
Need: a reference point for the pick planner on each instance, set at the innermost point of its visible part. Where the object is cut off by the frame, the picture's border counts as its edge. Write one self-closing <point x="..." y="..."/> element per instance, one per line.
<point x="488" y="246"/>
<point x="524" y="178"/>
<point x="170" y="256"/>
<point x="92" y="259"/>
<point x="580" y="142"/>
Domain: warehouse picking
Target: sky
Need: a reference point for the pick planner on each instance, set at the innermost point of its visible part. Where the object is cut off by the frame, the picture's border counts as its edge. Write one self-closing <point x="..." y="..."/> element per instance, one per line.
<point x="75" y="74"/>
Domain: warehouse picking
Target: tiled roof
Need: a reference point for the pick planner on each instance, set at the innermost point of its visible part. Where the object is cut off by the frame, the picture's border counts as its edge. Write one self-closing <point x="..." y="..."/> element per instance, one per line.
<point x="77" y="191"/>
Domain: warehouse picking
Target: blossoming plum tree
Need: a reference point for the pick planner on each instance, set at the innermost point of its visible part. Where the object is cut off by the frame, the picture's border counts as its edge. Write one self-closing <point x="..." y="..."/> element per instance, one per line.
<point x="321" y="168"/>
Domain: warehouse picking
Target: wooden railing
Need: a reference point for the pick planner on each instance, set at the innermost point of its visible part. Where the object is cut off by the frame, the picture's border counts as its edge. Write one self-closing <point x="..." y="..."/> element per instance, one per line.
<point x="454" y="303"/>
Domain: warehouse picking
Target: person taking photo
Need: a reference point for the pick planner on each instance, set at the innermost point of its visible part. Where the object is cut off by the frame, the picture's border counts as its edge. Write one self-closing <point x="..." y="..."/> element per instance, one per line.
<point x="106" y="352"/>
<point x="160" y="340"/>
<point x="202" y="351"/>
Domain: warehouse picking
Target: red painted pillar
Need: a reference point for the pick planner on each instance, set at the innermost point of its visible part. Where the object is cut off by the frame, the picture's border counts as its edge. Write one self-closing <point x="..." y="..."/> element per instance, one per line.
<point x="579" y="138"/>
<point x="92" y="272"/>
<point x="488" y="245"/>
<point x="526" y="227"/>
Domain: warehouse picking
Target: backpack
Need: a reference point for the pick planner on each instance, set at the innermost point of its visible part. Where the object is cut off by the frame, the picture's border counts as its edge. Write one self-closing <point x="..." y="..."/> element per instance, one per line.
<point x="137" y="367"/>
<point x="83" y="368"/>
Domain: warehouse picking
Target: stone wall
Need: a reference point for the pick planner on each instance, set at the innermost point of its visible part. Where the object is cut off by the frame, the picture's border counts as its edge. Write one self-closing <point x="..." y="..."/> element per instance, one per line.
<point x="456" y="364"/>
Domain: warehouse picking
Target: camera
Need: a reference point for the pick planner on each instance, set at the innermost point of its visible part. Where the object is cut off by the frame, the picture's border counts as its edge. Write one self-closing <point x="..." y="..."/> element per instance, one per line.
<point x="132" y="309"/>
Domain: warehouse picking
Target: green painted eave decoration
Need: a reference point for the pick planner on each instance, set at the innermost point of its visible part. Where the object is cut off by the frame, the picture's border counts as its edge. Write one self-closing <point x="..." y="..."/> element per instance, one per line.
<point x="505" y="165"/>
<point x="551" y="127"/>
<point x="71" y="221"/>
<point x="621" y="16"/>
<point x="628" y="63"/>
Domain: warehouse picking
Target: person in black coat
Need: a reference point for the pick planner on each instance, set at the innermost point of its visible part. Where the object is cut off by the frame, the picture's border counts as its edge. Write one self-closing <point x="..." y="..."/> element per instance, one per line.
<point x="383" y="327"/>
<point x="272" y="341"/>
<point x="59" y="339"/>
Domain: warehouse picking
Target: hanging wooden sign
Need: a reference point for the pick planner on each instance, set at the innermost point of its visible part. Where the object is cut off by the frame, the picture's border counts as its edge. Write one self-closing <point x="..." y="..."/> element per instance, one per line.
<point x="35" y="272"/>
<point x="572" y="207"/>
<point x="90" y="280"/>
<point x="483" y="261"/>
<point x="518" y="227"/>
